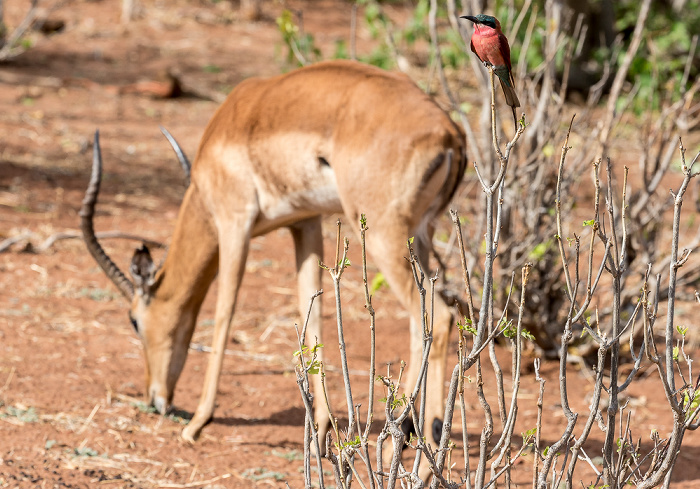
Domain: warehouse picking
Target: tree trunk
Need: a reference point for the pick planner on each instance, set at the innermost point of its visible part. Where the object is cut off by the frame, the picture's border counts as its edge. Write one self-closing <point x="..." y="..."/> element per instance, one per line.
<point x="3" y="27"/>
<point x="251" y="9"/>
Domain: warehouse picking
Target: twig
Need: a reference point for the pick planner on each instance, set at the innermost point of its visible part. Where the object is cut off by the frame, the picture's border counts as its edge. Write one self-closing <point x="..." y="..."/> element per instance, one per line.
<point x="259" y="357"/>
<point x="197" y="483"/>
<point x="435" y="45"/>
<point x="621" y="73"/>
<point x="336" y="273"/>
<point x="373" y="350"/>
<point x="9" y="379"/>
<point x="89" y="418"/>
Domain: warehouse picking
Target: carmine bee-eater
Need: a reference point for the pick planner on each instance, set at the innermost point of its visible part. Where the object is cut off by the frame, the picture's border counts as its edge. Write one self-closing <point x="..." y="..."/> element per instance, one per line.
<point x="491" y="46"/>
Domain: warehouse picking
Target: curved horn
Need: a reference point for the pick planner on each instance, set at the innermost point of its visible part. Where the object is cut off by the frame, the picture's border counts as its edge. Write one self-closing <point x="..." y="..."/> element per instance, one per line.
<point x="182" y="158"/>
<point x="87" y="211"/>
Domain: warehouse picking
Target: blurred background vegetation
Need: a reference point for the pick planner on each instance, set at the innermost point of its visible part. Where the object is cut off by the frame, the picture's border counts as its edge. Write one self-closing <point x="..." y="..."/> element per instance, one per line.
<point x="670" y="40"/>
<point x="630" y="65"/>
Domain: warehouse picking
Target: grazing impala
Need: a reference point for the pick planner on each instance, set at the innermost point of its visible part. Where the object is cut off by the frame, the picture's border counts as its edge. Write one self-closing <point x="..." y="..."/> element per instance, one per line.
<point x="280" y="152"/>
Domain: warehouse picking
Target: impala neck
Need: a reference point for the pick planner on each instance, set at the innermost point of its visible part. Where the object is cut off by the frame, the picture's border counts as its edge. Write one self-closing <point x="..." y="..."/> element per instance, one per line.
<point x="192" y="260"/>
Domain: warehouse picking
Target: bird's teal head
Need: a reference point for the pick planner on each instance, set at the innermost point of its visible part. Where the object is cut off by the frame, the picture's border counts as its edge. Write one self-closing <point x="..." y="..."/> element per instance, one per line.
<point x="483" y="19"/>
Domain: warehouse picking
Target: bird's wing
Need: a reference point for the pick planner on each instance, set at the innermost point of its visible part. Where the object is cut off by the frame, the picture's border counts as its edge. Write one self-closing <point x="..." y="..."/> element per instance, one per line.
<point x="505" y="53"/>
<point x="474" y="51"/>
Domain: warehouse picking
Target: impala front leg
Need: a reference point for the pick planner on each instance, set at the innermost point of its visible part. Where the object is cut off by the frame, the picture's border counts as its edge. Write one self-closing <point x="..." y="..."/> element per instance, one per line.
<point x="308" y="244"/>
<point x="233" y="251"/>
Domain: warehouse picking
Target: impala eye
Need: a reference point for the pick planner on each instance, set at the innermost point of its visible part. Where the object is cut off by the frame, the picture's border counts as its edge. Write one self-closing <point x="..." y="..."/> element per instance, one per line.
<point x="134" y="323"/>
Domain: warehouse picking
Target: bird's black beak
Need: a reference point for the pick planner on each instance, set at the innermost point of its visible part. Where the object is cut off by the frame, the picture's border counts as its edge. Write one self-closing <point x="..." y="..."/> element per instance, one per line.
<point x="470" y="17"/>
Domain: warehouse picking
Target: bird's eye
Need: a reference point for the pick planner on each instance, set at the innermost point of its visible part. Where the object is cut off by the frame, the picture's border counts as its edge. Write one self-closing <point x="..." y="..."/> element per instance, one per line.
<point x="134" y="323"/>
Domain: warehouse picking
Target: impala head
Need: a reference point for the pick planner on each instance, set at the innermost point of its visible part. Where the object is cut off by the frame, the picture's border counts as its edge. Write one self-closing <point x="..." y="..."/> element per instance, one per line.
<point x="164" y="330"/>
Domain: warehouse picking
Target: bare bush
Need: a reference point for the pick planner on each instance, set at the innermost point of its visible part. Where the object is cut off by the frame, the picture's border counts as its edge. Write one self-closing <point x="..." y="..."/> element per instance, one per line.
<point x="575" y="302"/>
<point x="18" y="39"/>
<point x="10" y="40"/>
<point x="583" y="267"/>
<point x="586" y="282"/>
<point x="528" y="223"/>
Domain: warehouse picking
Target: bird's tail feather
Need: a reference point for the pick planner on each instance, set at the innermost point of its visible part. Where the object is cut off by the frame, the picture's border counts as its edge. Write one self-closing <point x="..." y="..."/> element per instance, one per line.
<point x="509" y="92"/>
<point x="511" y="99"/>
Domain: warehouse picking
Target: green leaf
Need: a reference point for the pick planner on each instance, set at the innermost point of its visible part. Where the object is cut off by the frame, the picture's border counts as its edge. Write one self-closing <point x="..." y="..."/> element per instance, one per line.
<point x="528" y="435"/>
<point x="399" y="402"/>
<point x="356" y="442"/>
<point x="378" y="282"/>
<point x="86" y="452"/>
<point x="466" y="325"/>
<point x="341" y="50"/>
<point x="527" y="335"/>
<point x="25" y="415"/>
<point x="261" y="473"/>
<point x="291" y="456"/>
<point x="144" y="408"/>
<point x="590" y="222"/>
<point x="540" y="250"/>
<point x="691" y="405"/>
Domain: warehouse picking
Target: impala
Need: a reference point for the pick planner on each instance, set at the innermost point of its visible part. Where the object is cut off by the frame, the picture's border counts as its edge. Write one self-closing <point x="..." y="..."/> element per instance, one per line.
<point x="334" y="137"/>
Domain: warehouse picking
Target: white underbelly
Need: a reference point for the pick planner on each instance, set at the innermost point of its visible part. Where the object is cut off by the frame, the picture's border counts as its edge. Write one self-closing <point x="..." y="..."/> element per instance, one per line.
<point x="317" y="195"/>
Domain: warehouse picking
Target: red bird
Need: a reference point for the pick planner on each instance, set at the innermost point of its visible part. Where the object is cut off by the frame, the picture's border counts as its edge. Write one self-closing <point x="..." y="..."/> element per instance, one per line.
<point x="491" y="47"/>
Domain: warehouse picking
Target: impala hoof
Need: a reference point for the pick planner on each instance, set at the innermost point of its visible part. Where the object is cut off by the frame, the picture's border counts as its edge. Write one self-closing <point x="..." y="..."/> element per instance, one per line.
<point x="408" y="430"/>
<point x="160" y="404"/>
<point x="190" y="434"/>
<point x="435" y="429"/>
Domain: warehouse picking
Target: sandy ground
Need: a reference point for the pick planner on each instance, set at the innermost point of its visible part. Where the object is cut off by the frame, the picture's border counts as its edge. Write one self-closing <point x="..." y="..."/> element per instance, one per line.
<point x="71" y="369"/>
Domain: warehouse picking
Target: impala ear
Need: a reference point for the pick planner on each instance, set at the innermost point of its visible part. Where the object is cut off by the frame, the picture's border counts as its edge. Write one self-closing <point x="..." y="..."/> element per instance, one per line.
<point x="142" y="269"/>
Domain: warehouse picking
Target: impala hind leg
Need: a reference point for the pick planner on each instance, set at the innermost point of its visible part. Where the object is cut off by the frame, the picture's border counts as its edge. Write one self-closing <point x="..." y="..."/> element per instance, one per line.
<point x="441" y="327"/>
<point x="233" y="252"/>
<point x="308" y="245"/>
<point x="390" y="256"/>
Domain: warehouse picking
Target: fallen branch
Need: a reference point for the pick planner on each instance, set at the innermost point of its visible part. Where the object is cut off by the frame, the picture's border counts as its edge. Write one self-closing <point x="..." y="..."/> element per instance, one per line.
<point x="7" y="243"/>
<point x="198" y="483"/>
<point x="51" y="240"/>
